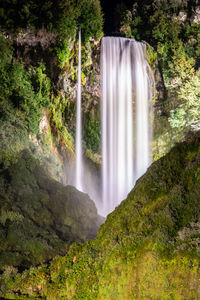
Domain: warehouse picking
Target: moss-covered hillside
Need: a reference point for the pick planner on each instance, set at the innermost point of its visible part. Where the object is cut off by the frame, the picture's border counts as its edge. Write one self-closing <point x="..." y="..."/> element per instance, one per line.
<point x="148" y="247"/>
<point x="39" y="217"/>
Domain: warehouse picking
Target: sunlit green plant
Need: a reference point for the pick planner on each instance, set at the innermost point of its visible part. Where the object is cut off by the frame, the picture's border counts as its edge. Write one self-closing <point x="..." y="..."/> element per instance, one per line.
<point x="13" y="216"/>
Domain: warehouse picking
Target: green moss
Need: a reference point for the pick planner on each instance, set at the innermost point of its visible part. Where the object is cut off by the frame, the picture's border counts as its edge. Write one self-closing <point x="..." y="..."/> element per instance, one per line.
<point x="147" y="248"/>
<point x="151" y="56"/>
<point x="91" y="134"/>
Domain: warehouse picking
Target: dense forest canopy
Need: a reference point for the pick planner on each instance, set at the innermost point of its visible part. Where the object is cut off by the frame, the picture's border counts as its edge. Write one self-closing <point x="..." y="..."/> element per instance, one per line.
<point x="63" y="17"/>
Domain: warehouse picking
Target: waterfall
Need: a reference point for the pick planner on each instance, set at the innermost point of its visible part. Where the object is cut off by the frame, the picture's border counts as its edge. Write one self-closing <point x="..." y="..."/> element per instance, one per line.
<point x="78" y="146"/>
<point x="126" y="118"/>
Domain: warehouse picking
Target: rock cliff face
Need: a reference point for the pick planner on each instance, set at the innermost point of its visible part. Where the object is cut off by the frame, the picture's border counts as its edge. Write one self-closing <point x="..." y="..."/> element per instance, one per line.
<point x="39" y="216"/>
<point x="148" y="247"/>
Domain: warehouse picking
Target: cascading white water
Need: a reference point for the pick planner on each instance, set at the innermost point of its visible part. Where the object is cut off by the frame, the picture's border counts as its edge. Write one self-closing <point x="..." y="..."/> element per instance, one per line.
<point x="126" y="118"/>
<point x="78" y="146"/>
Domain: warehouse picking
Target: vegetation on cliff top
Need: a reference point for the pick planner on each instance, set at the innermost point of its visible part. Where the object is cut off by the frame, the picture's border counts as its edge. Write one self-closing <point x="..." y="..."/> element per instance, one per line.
<point x="147" y="248"/>
<point x="62" y="17"/>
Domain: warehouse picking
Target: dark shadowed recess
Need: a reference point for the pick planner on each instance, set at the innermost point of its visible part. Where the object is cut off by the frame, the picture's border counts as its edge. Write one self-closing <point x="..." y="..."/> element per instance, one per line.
<point x="113" y="9"/>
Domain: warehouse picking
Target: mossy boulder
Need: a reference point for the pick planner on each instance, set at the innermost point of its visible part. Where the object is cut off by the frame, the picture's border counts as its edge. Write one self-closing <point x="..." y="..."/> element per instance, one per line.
<point x="148" y="248"/>
<point x="39" y="216"/>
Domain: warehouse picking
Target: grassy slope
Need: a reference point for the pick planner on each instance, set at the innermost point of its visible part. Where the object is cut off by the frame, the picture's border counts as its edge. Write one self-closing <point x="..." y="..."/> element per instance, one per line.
<point x="148" y="247"/>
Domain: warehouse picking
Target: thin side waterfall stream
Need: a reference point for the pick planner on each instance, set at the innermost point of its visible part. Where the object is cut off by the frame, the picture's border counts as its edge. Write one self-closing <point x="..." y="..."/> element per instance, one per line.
<point x="78" y="143"/>
<point x="126" y="118"/>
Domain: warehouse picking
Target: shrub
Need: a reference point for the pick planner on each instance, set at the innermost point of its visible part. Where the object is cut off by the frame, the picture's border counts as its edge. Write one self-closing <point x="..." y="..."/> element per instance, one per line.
<point x="188" y="112"/>
<point x="91" y="134"/>
<point x="13" y="216"/>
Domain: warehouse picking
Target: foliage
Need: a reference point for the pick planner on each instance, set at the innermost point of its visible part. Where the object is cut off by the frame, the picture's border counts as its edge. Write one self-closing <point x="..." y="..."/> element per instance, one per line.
<point x="177" y="117"/>
<point x="13" y="133"/>
<point x="13" y="216"/>
<point x="187" y="114"/>
<point x="17" y="88"/>
<point x="58" y="110"/>
<point x="25" y="84"/>
<point x="24" y="92"/>
<point x="90" y="18"/>
<point x="173" y="34"/>
<point x="44" y="86"/>
<point x="91" y="132"/>
<point x="23" y="96"/>
<point x="63" y="52"/>
<point x="63" y="17"/>
<point x="65" y="104"/>
<point x="147" y="248"/>
<point x="129" y="26"/>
